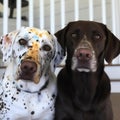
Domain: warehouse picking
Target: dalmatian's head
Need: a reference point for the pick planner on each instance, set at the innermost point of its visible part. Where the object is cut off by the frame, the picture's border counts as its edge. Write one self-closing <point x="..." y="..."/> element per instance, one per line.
<point x="34" y="53"/>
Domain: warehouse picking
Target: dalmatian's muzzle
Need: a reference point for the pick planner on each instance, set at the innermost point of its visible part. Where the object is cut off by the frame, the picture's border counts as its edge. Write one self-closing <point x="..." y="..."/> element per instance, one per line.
<point x="31" y="66"/>
<point x="28" y="69"/>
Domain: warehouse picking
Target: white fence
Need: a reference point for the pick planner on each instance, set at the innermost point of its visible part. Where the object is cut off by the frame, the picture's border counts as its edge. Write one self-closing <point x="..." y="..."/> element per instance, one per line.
<point x="55" y="14"/>
<point x="75" y="7"/>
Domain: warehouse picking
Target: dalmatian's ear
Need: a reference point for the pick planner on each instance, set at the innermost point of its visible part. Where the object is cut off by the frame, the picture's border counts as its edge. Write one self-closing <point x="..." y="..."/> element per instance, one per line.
<point x="59" y="55"/>
<point x="6" y="43"/>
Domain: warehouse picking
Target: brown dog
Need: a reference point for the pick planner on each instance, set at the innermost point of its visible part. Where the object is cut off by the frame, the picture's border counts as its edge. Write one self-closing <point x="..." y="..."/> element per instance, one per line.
<point x="83" y="86"/>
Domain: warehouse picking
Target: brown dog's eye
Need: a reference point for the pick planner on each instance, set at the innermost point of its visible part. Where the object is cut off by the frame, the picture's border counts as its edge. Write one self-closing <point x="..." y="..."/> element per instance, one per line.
<point x="22" y="42"/>
<point x="46" y="48"/>
<point x="74" y="35"/>
<point x="97" y="36"/>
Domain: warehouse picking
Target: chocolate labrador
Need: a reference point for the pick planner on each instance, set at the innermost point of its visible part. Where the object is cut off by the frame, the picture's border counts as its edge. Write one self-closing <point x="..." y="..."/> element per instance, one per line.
<point x="83" y="86"/>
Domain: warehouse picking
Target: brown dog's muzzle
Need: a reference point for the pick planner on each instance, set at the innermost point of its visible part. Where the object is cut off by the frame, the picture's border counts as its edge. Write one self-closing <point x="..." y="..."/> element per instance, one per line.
<point x="83" y="54"/>
<point x="84" y="57"/>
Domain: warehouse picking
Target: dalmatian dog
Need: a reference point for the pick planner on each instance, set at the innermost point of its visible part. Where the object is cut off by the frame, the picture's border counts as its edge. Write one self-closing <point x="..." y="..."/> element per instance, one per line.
<point x="28" y="87"/>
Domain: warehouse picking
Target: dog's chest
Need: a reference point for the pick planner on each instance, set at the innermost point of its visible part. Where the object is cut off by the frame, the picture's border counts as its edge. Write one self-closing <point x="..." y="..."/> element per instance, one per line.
<point x="16" y="104"/>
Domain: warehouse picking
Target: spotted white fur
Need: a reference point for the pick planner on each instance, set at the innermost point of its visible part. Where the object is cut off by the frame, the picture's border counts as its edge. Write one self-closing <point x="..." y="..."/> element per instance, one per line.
<point x="23" y="99"/>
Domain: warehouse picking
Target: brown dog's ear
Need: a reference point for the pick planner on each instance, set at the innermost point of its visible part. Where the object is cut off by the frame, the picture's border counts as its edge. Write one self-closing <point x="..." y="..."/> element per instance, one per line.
<point x="112" y="49"/>
<point x="61" y="37"/>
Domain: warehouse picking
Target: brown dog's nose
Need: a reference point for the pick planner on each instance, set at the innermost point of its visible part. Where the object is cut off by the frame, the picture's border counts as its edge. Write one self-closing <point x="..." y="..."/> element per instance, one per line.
<point x="28" y="66"/>
<point x="84" y="54"/>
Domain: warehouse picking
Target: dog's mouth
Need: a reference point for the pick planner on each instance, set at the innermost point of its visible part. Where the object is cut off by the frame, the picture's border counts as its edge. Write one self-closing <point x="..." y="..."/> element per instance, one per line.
<point x="26" y="76"/>
<point x="29" y="71"/>
<point x="82" y="69"/>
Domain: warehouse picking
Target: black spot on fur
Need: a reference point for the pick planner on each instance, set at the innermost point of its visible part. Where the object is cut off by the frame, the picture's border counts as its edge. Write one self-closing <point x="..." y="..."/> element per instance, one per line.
<point x="33" y="112"/>
<point x="5" y="95"/>
<point x="49" y="32"/>
<point x="53" y="95"/>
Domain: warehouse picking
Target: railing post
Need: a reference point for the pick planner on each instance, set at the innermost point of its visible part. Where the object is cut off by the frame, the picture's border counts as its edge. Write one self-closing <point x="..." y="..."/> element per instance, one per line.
<point x="91" y="10"/>
<point x="52" y="16"/>
<point x="62" y="13"/>
<point x="41" y="14"/>
<point x="18" y="19"/>
<point x="103" y="6"/>
<point x="5" y="16"/>
<point x="31" y="23"/>
<point x="76" y="9"/>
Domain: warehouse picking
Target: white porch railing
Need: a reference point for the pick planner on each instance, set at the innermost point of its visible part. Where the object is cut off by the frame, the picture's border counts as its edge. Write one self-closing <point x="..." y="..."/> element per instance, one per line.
<point x="63" y="13"/>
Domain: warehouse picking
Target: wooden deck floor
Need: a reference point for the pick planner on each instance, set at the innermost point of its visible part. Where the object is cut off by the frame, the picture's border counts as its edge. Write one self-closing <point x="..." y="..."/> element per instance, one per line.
<point x="115" y="98"/>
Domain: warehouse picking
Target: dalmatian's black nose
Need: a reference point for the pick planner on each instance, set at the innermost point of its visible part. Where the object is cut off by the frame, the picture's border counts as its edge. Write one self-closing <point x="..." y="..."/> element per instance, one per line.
<point x="28" y="67"/>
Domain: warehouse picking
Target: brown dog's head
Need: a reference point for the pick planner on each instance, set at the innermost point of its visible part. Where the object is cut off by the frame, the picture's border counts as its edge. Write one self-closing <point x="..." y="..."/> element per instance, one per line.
<point x="87" y="44"/>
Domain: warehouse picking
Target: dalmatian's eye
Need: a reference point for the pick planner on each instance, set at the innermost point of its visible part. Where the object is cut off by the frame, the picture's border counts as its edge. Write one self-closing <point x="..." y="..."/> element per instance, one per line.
<point x="22" y="42"/>
<point x="46" y="48"/>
